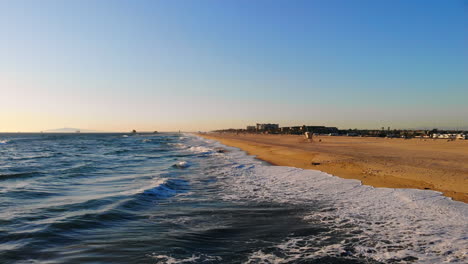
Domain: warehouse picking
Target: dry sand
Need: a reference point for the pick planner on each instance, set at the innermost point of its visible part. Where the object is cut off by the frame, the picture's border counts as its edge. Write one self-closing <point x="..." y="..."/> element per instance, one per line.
<point x="380" y="162"/>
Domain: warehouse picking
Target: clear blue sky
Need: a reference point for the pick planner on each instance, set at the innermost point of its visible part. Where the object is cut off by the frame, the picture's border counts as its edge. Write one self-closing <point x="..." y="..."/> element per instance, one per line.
<point x="201" y="65"/>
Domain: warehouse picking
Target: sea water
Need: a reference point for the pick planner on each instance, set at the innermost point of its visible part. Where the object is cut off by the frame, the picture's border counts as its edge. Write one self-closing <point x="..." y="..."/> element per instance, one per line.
<point x="178" y="198"/>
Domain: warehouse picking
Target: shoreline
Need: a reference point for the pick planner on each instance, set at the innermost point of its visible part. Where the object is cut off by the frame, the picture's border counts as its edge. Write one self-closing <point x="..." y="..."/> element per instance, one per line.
<point x="379" y="162"/>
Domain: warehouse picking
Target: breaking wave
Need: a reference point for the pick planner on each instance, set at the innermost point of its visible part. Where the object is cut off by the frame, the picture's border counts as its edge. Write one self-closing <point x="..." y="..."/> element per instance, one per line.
<point x="182" y="165"/>
<point x="191" y="200"/>
<point x="201" y="149"/>
<point x="382" y="224"/>
<point x="167" y="188"/>
<point x="193" y="259"/>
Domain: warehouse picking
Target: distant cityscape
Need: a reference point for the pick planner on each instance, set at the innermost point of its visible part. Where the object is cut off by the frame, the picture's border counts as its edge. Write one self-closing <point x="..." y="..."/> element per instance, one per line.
<point x="267" y="128"/>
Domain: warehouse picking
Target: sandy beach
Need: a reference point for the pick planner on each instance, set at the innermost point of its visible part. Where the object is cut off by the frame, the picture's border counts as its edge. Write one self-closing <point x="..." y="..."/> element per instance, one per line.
<point x="380" y="162"/>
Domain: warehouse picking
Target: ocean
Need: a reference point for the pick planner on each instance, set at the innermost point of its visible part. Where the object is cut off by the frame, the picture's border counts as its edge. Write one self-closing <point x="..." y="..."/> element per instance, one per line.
<point x="179" y="198"/>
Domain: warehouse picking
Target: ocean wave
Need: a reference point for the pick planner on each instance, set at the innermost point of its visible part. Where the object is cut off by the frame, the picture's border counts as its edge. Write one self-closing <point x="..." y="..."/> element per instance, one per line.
<point x="33" y="157"/>
<point x="200" y="258"/>
<point x="167" y="188"/>
<point x="120" y="151"/>
<point x="4" y="141"/>
<point x="182" y="165"/>
<point x="382" y="224"/>
<point x="86" y="220"/>
<point x="178" y="145"/>
<point x="18" y="175"/>
<point x="76" y="169"/>
<point x="30" y="193"/>
<point x="201" y="149"/>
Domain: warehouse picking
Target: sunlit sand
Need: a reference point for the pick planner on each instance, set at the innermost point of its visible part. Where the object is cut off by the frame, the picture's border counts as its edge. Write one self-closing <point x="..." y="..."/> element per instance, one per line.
<point x="438" y="165"/>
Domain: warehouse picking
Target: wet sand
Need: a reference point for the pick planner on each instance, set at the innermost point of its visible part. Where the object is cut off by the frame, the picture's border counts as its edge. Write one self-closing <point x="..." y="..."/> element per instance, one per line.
<point x="380" y="162"/>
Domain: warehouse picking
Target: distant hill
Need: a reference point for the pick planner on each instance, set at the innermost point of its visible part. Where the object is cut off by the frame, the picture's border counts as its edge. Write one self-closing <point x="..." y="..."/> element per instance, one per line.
<point x="68" y="130"/>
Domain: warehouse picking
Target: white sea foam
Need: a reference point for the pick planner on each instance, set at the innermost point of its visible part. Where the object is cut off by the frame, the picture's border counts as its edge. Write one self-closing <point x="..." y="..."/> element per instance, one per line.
<point x="383" y="224"/>
<point x="4" y="141"/>
<point x="193" y="259"/>
<point x="160" y="187"/>
<point x="178" y="145"/>
<point x="201" y="149"/>
<point x="182" y="164"/>
<point x="390" y="224"/>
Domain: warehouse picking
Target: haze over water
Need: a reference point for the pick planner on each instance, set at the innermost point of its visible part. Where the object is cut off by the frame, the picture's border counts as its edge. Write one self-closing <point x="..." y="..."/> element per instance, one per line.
<point x="177" y="198"/>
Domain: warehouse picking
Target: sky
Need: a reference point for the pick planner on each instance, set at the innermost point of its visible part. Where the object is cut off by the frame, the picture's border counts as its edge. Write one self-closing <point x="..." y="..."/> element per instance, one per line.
<point x="201" y="65"/>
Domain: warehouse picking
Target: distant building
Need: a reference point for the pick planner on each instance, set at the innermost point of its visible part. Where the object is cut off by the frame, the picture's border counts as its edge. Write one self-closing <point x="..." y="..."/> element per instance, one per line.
<point x="314" y="129"/>
<point x="320" y="129"/>
<point x="251" y="128"/>
<point x="267" y="127"/>
<point x="295" y="130"/>
<point x="449" y="136"/>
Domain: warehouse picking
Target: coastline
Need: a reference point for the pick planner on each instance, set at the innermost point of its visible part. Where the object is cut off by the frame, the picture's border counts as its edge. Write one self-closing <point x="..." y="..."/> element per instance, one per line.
<point x="379" y="162"/>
